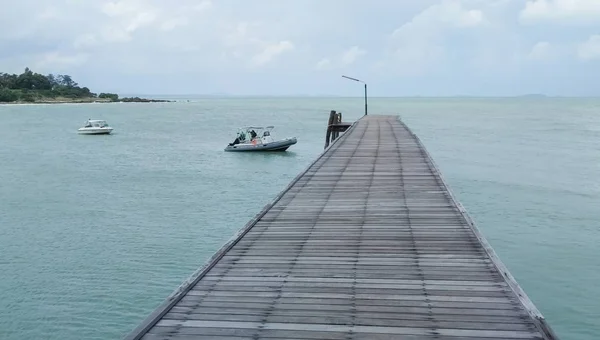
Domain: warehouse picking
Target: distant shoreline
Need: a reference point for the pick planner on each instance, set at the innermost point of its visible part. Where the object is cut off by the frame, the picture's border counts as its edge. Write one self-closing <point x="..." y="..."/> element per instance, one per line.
<point x="87" y="101"/>
<point x="35" y="88"/>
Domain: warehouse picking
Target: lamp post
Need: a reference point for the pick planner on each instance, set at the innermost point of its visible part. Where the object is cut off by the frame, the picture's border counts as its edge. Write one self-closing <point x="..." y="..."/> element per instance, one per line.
<point x="360" y="81"/>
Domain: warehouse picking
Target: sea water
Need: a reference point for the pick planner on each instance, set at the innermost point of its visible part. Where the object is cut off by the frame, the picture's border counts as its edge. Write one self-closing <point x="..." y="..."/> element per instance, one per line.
<point x="96" y="231"/>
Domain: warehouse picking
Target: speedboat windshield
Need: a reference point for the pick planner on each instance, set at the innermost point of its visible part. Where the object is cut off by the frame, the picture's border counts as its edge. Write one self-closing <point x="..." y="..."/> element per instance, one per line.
<point x="96" y="123"/>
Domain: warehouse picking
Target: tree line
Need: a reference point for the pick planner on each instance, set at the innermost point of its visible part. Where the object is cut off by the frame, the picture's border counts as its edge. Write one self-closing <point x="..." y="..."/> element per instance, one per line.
<point x="30" y="86"/>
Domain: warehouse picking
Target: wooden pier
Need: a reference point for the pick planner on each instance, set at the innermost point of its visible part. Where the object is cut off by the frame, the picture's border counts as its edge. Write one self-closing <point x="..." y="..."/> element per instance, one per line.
<point x="366" y="243"/>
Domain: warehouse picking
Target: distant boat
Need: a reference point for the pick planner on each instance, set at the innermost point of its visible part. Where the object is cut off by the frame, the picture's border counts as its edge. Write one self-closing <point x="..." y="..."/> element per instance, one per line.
<point x="95" y="127"/>
<point x="253" y="138"/>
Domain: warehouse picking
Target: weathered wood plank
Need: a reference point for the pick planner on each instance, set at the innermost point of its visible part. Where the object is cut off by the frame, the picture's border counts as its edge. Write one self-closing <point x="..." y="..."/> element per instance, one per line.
<point x="348" y="319"/>
<point x="367" y="243"/>
<point x="436" y="301"/>
<point x="512" y="319"/>
<point x="511" y="334"/>
<point x="267" y="280"/>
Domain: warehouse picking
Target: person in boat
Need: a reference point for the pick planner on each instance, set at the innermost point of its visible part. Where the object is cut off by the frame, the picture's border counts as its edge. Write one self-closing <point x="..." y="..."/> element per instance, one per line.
<point x="240" y="137"/>
<point x="252" y="134"/>
<point x="88" y="124"/>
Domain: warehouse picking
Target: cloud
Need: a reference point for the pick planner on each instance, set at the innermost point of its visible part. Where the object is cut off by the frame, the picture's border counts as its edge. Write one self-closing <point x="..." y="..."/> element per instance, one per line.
<point x="573" y="11"/>
<point x="544" y="53"/>
<point x="270" y="51"/>
<point x="351" y="55"/>
<point x="345" y="58"/>
<point x="244" y="41"/>
<point x="540" y="51"/>
<point x="203" y="5"/>
<point x="418" y="44"/>
<point x="448" y="13"/>
<point x="60" y="61"/>
<point x="248" y="47"/>
<point x="590" y="49"/>
<point x="173" y="23"/>
<point x="324" y="64"/>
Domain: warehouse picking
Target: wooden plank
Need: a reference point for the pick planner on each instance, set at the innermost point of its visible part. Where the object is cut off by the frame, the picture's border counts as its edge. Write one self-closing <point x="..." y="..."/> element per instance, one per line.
<point x="367" y="243"/>
<point x="351" y="329"/>
<point x="333" y="281"/>
<point x="309" y="303"/>
<point x="512" y="319"/>
<point x="346" y="319"/>
<point x="172" y="333"/>
<point x="320" y="282"/>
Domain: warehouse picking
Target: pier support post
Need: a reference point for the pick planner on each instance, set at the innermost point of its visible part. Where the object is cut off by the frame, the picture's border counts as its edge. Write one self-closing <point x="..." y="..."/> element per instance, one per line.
<point x="332" y="115"/>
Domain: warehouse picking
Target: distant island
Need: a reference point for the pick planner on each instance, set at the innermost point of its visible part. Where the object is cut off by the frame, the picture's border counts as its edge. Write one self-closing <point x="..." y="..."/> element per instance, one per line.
<point x="30" y="87"/>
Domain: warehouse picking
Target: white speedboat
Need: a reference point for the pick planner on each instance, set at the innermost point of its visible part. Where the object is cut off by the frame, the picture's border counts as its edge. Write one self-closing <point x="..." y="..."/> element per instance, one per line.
<point x="95" y="127"/>
<point x="253" y="138"/>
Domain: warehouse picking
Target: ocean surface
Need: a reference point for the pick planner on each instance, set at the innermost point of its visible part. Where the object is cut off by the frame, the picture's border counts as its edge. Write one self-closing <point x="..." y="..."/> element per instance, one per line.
<point x="96" y="231"/>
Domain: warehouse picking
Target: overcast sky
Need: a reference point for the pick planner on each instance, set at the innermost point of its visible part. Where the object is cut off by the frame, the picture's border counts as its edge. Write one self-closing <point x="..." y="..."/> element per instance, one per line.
<point x="295" y="47"/>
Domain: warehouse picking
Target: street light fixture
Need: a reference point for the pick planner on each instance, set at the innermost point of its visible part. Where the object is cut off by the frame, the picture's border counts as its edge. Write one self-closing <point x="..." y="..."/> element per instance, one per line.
<point x="360" y="81"/>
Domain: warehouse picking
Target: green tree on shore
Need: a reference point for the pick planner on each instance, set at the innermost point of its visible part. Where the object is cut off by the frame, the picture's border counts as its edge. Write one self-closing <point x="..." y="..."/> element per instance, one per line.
<point x="29" y="86"/>
<point x="32" y="87"/>
<point x="8" y="96"/>
<point x="66" y="81"/>
<point x="112" y="96"/>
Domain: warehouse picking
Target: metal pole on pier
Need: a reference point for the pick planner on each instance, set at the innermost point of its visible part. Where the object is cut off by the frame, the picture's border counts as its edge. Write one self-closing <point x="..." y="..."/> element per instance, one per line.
<point x="360" y="81"/>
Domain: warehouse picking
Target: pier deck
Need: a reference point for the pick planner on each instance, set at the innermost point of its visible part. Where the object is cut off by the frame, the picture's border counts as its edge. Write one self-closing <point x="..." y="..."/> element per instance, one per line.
<point x="367" y="243"/>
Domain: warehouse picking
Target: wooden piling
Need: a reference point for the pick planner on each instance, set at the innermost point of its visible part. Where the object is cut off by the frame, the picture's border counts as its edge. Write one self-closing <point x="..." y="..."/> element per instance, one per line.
<point x="335" y="125"/>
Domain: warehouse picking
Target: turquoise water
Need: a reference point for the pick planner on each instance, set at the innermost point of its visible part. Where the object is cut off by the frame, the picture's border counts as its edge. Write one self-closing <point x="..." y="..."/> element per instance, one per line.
<point x="95" y="231"/>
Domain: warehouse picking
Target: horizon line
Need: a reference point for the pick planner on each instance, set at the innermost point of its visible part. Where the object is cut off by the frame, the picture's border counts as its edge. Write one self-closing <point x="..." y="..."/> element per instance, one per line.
<point x="356" y="96"/>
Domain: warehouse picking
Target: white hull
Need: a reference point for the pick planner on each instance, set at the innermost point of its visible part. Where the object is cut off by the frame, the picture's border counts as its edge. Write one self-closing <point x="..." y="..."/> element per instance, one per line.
<point x="95" y="131"/>
<point x="280" y="145"/>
